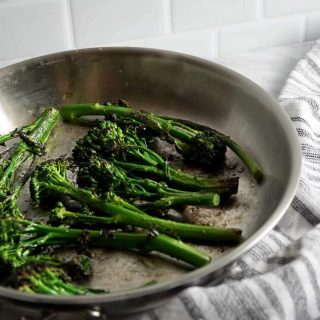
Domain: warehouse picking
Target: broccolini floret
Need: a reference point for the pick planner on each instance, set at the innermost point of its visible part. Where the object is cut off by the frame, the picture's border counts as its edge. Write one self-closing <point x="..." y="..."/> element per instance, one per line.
<point x="130" y="152"/>
<point x="27" y="268"/>
<point x="102" y="176"/>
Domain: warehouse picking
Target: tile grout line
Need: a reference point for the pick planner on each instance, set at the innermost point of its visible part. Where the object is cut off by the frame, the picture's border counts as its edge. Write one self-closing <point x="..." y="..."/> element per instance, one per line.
<point x="216" y="43"/>
<point x="70" y="25"/>
<point x="260" y="10"/>
<point x="167" y="17"/>
<point x="293" y="14"/>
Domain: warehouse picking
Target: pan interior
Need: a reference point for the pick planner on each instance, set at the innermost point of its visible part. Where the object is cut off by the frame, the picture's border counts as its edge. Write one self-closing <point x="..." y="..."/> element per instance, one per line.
<point x="171" y="85"/>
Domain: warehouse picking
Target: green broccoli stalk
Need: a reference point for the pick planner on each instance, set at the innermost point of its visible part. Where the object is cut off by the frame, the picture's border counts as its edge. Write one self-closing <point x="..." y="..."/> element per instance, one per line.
<point x="33" y="235"/>
<point x="197" y="144"/>
<point x="102" y="176"/>
<point x="130" y="152"/>
<point x="34" y="139"/>
<point x="50" y="179"/>
<point x="26" y="133"/>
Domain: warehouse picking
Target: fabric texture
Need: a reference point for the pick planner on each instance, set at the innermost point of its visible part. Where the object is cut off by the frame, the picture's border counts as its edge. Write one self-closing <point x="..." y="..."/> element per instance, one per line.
<point x="279" y="278"/>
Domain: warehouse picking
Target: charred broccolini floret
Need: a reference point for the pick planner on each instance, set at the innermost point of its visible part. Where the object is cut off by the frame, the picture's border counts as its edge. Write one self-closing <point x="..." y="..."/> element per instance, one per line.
<point x="128" y="151"/>
<point x="50" y="179"/>
<point x="199" y="145"/>
<point x="102" y="176"/>
<point x="27" y="268"/>
<point x="22" y="241"/>
<point x="41" y="278"/>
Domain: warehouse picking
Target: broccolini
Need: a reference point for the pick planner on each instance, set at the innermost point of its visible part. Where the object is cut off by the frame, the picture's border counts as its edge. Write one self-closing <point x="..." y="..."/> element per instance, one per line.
<point x="199" y="145"/>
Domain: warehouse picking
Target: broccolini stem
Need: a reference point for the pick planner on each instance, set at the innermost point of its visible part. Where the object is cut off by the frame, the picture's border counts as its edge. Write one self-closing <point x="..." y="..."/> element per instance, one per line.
<point x="38" y="133"/>
<point x="14" y="133"/>
<point x="42" y="287"/>
<point x="149" y="156"/>
<point x="6" y="137"/>
<point x="122" y="240"/>
<point x="62" y="214"/>
<point x="62" y="287"/>
<point x="161" y="243"/>
<point x="177" y="178"/>
<point x="19" y="156"/>
<point x="169" y="197"/>
<point x="44" y="126"/>
<point x="72" y="112"/>
<point x="101" y="176"/>
<point x="139" y="219"/>
<point x="175" y="131"/>
<point x="193" y="198"/>
<point x="156" y="187"/>
<point x="252" y="166"/>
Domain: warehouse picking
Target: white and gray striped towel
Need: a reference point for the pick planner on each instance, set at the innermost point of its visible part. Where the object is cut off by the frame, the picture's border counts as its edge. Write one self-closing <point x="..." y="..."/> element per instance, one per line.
<point x="280" y="277"/>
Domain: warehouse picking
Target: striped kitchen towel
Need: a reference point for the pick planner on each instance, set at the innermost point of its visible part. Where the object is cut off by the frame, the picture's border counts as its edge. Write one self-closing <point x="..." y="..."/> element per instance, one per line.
<point x="280" y="277"/>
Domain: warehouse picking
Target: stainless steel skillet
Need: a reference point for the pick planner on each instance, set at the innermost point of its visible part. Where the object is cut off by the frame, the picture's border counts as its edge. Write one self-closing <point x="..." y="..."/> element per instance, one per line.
<point x="171" y="84"/>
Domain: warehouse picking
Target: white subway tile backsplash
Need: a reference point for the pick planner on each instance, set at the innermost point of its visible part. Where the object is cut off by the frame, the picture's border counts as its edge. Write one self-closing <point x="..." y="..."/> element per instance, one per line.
<point x="29" y="28"/>
<point x="192" y="14"/>
<point x="197" y="43"/>
<point x="100" y="22"/>
<point x="280" y="7"/>
<point x="197" y="27"/>
<point x="313" y="26"/>
<point x="259" y="35"/>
